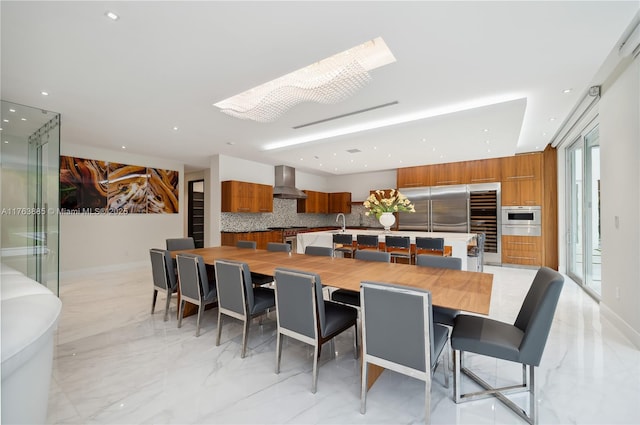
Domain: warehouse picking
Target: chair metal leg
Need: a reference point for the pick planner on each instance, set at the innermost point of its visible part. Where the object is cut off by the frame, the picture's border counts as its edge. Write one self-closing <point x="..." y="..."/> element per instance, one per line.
<point x="278" y="351"/>
<point x="180" y="313"/>
<point x="219" y="328"/>
<point x="363" y="390"/>
<point x="198" y="320"/>
<point x="499" y="393"/>
<point x="316" y="354"/>
<point x="427" y="398"/>
<point x="153" y="302"/>
<point x="356" y="351"/>
<point x="245" y="333"/>
<point x="445" y="366"/>
<point x="166" y="307"/>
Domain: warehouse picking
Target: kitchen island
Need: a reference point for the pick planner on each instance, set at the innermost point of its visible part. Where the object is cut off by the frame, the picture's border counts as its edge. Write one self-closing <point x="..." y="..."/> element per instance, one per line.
<point x="457" y="241"/>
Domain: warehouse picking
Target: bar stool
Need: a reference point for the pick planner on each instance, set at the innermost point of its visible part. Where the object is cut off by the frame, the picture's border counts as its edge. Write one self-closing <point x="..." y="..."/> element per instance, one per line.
<point x="430" y="246"/>
<point x="343" y="242"/>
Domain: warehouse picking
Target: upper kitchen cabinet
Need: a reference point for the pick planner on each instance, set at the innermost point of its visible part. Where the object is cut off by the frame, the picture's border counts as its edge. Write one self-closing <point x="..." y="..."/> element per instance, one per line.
<point x="522" y="167"/>
<point x="340" y="202"/>
<point x="243" y="197"/>
<point x="484" y="171"/>
<point x="413" y="176"/>
<point x="316" y="202"/>
<point x="447" y="174"/>
<point x="522" y="180"/>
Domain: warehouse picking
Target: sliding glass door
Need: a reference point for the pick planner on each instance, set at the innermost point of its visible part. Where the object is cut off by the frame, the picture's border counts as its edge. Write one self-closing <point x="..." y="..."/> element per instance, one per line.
<point x="583" y="211"/>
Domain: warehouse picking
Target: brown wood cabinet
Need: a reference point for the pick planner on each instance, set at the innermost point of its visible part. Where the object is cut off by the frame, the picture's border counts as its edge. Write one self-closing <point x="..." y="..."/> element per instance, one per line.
<point x="522" y="180"/>
<point x="261" y="238"/>
<point x="246" y="197"/>
<point x="316" y="202"/>
<point x="447" y="174"/>
<point x="526" y="179"/>
<point x="340" y="202"/>
<point x="413" y="176"/>
<point x="484" y="171"/>
<point x="524" y="250"/>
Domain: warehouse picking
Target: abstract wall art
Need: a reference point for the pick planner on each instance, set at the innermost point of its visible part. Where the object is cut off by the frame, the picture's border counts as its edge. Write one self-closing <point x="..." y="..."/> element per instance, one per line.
<point x="92" y="186"/>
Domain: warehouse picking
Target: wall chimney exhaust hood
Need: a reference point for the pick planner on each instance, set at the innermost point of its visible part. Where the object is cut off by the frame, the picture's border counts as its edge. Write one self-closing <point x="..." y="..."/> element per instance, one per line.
<point x="285" y="187"/>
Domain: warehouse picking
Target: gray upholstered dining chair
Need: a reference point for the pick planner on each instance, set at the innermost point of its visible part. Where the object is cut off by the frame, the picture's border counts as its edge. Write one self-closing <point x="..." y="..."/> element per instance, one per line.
<point x="398" y="334"/>
<point x="238" y="298"/>
<point x="195" y="286"/>
<point x="258" y="279"/>
<point x="429" y="246"/>
<point x="177" y="244"/>
<point x="523" y="342"/>
<point x="278" y="247"/>
<point x="343" y="242"/>
<point x="303" y="314"/>
<point x="321" y="251"/>
<point x="442" y="315"/>
<point x="164" y="277"/>
<point x="346" y="296"/>
<point x="367" y="242"/>
<point x="247" y="244"/>
<point x="398" y="247"/>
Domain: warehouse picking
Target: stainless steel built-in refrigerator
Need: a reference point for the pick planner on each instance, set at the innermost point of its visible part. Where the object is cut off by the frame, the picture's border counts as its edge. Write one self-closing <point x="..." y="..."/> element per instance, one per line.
<point x="471" y="208"/>
<point x="438" y="209"/>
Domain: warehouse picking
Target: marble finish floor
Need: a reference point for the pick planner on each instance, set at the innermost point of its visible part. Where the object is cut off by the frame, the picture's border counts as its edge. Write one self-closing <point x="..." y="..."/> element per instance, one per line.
<point x="115" y="363"/>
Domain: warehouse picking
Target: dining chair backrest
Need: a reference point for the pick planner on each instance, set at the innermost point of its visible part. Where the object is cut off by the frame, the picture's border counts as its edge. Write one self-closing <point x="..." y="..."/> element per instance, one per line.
<point x="247" y="244"/>
<point x="367" y="241"/>
<point x="536" y="314"/>
<point x="370" y="255"/>
<point x="403" y="336"/>
<point x="453" y="263"/>
<point x="192" y="274"/>
<point x="177" y="244"/>
<point x="296" y="304"/>
<point x="278" y="247"/>
<point x="163" y="272"/>
<point x="235" y="291"/>
<point x="321" y="251"/>
<point x="304" y="290"/>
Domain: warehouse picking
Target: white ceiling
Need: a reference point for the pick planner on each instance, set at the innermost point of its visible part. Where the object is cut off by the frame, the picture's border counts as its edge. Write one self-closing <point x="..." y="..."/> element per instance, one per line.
<point x="502" y="65"/>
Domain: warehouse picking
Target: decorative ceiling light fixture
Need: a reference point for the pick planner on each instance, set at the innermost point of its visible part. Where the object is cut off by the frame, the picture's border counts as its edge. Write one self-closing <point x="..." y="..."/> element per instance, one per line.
<point x="330" y="80"/>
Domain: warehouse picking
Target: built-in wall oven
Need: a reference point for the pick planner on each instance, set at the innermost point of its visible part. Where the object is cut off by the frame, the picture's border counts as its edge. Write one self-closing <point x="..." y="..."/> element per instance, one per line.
<point x="521" y="221"/>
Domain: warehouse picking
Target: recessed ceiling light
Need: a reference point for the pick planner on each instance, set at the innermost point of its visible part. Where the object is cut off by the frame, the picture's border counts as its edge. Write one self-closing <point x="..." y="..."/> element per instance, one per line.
<point x="424" y="139"/>
<point x="301" y="159"/>
<point x="0" y="128"/>
<point x="44" y="93"/>
<point x="12" y="110"/>
<point x="320" y="165"/>
<point x="488" y="150"/>
<point x="375" y="148"/>
<point x="335" y="169"/>
<point x="352" y="160"/>
<point x="486" y="130"/>
<point x="365" y="165"/>
<point x="124" y="147"/>
<point x="565" y="91"/>
<point x="537" y="147"/>
<point x="441" y="156"/>
<point x="552" y="119"/>
<point x="544" y="133"/>
<point x="175" y="128"/>
<point x="23" y="119"/>
<point x="112" y="16"/>
<point x="5" y="120"/>
<point x="487" y="142"/>
<point x="6" y="141"/>
<point x="334" y="154"/>
<point x="433" y="149"/>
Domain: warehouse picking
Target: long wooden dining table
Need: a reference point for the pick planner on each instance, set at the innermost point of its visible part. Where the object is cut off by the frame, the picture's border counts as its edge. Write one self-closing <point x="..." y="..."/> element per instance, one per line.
<point x="459" y="290"/>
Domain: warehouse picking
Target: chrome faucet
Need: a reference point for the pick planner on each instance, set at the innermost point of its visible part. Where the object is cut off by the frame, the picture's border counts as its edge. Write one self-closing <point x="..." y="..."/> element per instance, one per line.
<point x="344" y="221"/>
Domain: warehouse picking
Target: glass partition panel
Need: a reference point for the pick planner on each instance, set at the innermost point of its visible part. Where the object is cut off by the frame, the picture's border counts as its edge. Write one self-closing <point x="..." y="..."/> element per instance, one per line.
<point x="29" y="159"/>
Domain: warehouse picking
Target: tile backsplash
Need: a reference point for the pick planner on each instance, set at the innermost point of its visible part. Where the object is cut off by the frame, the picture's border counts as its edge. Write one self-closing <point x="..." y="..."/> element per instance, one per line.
<point x="285" y="214"/>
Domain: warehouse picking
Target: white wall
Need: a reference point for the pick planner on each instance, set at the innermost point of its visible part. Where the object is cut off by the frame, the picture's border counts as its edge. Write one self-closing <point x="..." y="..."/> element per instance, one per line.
<point x="620" y="156"/>
<point x="361" y="184"/>
<point x="103" y="241"/>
